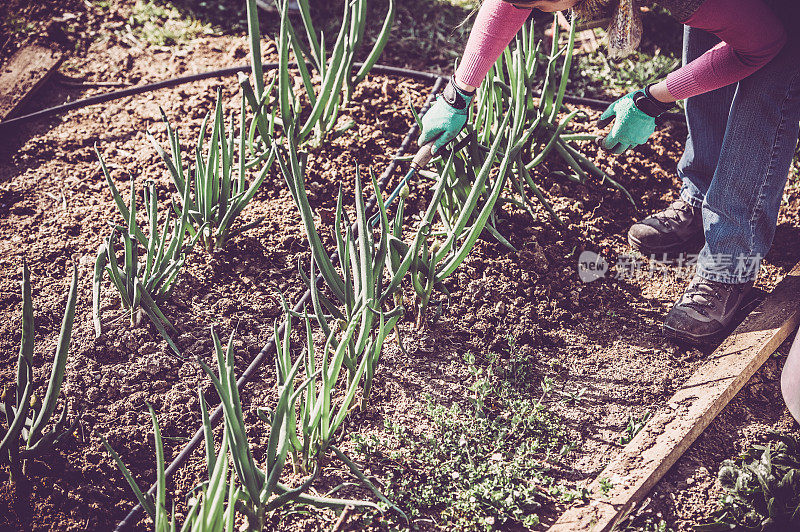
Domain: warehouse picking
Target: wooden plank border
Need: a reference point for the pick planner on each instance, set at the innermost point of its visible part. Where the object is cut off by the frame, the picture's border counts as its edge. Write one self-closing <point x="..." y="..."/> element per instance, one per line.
<point x="648" y="457"/>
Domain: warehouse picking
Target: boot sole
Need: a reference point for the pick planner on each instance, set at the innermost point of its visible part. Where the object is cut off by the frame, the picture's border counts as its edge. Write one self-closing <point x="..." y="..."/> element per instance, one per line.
<point x="693" y="245"/>
<point x="693" y="339"/>
<point x="749" y="302"/>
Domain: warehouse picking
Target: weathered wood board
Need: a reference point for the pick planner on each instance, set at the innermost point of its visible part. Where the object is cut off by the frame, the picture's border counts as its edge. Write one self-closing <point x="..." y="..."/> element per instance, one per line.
<point x="648" y="457"/>
<point x="25" y="72"/>
<point x="586" y="41"/>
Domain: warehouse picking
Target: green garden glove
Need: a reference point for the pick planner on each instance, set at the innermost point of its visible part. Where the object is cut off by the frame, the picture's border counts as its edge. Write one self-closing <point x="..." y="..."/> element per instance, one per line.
<point x="446" y="118"/>
<point x="634" y="118"/>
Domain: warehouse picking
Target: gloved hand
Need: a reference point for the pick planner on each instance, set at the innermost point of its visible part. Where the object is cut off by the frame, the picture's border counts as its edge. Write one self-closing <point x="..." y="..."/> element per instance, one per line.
<point x="446" y="117"/>
<point x="634" y="118"/>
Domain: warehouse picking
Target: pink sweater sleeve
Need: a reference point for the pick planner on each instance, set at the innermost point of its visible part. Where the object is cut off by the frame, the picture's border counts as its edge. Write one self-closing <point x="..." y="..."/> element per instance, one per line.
<point x="496" y="24"/>
<point x="751" y="36"/>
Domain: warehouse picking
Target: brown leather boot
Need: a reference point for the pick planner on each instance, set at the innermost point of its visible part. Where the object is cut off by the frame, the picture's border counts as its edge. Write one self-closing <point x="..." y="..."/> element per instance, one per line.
<point x="677" y="229"/>
<point x="705" y="310"/>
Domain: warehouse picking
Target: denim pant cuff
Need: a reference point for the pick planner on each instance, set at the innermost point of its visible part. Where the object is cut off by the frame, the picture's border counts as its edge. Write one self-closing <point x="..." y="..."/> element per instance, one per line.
<point x="728" y="277"/>
<point x="691" y="195"/>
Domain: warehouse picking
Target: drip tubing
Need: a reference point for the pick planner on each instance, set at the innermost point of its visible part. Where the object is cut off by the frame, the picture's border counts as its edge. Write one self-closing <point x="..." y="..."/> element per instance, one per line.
<point x="180" y="80"/>
<point x="231" y="71"/>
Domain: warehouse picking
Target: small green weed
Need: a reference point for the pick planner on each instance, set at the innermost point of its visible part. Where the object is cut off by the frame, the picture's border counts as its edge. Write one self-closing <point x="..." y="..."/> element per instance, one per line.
<point x="574" y="398"/>
<point x="19" y="27"/>
<point x="163" y="25"/>
<point x="631" y="73"/>
<point x="650" y="524"/>
<point x="480" y="467"/>
<point x="762" y="489"/>
<point x="635" y="426"/>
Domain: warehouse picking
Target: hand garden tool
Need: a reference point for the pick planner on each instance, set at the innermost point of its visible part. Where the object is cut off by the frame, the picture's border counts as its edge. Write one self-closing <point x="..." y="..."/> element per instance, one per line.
<point x="420" y="161"/>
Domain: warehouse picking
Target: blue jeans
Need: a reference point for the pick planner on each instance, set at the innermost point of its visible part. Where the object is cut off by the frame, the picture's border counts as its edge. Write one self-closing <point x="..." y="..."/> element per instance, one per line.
<point x="738" y="153"/>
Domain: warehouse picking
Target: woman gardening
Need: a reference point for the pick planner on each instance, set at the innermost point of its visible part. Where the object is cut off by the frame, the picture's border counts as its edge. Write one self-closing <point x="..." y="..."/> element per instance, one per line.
<point x="741" y="82"/>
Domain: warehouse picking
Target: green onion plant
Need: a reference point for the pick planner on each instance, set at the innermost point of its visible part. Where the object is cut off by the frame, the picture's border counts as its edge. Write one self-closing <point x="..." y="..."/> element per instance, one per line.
<point x="28" y="430"/>
<point x="529" y="125"/>
<point x="216" y="191"/>
<point x="211" y="504"/>
<point x="215" y="506"/>
<point x="364" y="280"/>
<point x="143" y="280"/>
<point x="539" y="128"/>
<point x="372" y="267"/>
<point x="512" y="81"/>
<point x="154" y="506"/>
<point x="314" y="427"/>
<point x="261" y="489"/>
<point x="328" y="76"/>
<point x="461" y="208"/>
<point x="245" y="489"/>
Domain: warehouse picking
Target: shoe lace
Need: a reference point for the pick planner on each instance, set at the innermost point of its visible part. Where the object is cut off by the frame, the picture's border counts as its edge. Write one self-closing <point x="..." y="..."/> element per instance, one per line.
<point x="702" y="294"/>
<point x="673" y="215"/>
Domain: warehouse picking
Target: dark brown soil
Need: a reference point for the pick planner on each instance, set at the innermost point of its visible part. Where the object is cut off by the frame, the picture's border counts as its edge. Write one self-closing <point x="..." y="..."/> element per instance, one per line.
<point x="603" y="336"/>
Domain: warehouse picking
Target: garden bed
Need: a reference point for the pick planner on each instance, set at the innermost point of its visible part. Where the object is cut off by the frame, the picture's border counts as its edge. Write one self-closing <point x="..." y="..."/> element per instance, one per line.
<point x="514" y="320"/>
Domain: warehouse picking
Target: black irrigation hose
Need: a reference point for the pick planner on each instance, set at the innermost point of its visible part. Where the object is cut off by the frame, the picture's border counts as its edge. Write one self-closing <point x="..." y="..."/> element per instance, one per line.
<point x="133" y="91"/>
<point x="230" y="71"/>
<point x="269" y="349"/>
<point x="173" y="82"/>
